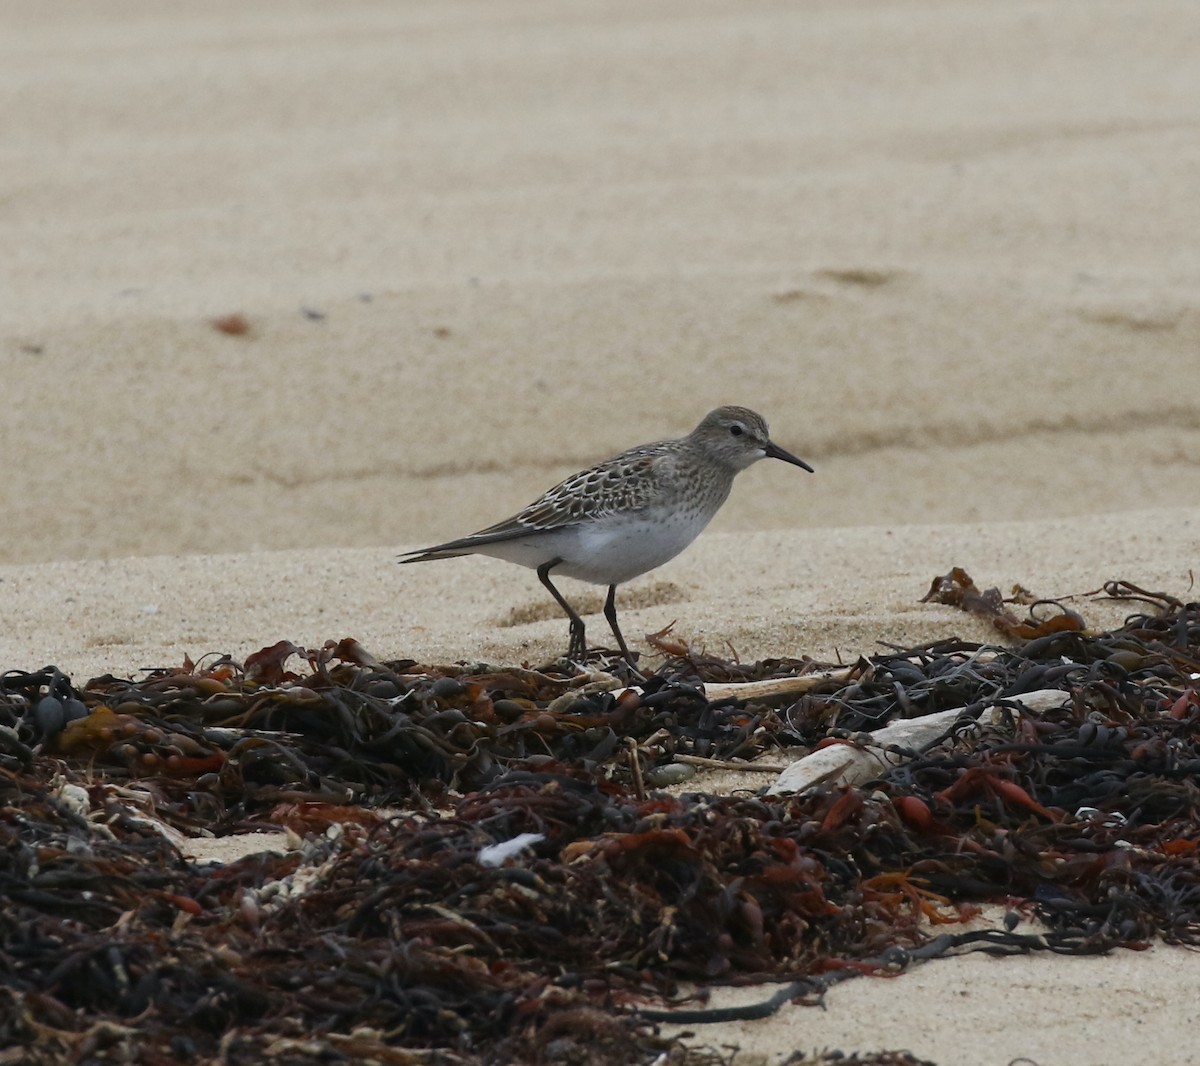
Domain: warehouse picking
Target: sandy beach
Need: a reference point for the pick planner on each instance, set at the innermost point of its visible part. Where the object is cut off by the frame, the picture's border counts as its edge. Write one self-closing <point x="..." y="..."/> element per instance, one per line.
<point x="947" y="250"/>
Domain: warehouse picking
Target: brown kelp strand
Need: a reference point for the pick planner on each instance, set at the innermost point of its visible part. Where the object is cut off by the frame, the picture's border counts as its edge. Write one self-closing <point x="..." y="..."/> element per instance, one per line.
<point x="479" y="872"/>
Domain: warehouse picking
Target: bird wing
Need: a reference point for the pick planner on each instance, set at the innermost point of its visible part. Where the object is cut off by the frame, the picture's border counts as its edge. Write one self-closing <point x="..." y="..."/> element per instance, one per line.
<point x="626" y="483"/>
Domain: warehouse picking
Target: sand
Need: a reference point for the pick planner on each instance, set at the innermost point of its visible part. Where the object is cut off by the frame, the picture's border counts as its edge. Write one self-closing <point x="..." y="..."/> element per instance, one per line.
<point x="948" y="250"/>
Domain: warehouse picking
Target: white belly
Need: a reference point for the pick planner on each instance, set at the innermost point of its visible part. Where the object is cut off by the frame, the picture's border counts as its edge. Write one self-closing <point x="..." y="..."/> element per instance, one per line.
<point x="610" y="551"/>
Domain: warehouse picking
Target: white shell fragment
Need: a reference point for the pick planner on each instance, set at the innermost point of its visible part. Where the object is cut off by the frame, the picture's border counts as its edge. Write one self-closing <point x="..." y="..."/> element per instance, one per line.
<point x="498" y="854"/>
<point x="867" y="756"/>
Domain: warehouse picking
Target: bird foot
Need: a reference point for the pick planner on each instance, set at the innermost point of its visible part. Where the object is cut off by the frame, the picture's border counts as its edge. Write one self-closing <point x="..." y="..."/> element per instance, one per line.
<point x="614" y="662"/>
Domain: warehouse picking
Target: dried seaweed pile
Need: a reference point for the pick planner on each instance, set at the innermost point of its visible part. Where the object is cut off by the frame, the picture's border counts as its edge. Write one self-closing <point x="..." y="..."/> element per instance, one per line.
<point x="395" y="939"/>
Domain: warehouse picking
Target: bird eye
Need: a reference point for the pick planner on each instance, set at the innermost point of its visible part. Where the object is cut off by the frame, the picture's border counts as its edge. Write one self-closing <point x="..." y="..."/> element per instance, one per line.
<point x="737" y="429"/>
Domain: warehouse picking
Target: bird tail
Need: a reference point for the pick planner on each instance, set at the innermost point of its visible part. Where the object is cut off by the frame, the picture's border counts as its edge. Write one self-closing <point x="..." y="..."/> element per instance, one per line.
<point x="428" y="555"/>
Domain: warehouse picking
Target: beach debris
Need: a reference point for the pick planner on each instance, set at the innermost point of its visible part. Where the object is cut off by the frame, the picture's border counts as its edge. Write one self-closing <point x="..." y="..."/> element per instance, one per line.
<point x="499" y="854"/>
<point x="887" y="1057"/>
<point x="775" y="689"/>
<point x="1060" y="781"/>
<point x="850" y="760"/>
<point x="235" y="324"/>
<point x="956" y="589"/>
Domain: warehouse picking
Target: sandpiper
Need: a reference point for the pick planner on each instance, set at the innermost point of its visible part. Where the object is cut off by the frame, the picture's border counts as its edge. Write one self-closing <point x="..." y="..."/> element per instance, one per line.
<point x="623" y="517"/>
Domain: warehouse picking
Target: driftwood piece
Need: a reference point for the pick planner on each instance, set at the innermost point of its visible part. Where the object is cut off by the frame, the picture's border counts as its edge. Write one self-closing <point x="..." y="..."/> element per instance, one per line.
<point x="854" y="761"/>
<point x="771" y="690"/>
<point x="774" y="689"/>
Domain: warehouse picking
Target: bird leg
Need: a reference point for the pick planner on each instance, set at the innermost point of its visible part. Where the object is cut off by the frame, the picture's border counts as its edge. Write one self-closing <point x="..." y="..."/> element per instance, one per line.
<point x="577" y="649"/>
<point x="610" y="612"/>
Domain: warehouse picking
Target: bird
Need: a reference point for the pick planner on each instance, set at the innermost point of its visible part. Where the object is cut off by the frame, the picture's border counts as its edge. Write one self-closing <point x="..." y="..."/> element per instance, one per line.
<point x="625" y="516"/>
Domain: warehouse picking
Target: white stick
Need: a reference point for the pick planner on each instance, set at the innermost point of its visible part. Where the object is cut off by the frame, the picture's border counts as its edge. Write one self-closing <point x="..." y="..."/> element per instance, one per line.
<point x="775" y="688"/>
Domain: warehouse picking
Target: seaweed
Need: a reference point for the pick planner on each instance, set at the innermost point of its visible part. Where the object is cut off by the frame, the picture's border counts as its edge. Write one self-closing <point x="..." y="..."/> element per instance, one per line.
<point x="386" y="932"/>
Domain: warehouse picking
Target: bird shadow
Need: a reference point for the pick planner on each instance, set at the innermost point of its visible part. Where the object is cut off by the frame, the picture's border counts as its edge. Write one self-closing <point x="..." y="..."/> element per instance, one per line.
<point x="586" y="603"/>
